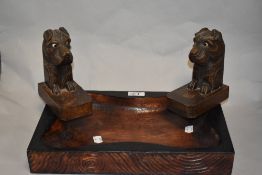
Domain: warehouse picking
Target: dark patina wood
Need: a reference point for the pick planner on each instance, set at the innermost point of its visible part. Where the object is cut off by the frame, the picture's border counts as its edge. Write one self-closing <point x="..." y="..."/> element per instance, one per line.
<point x="206" y="89"/>
<point x="191" y="104"/>
<point x="140" y="136"/>
<point x="207" y="55"/>
<point x="57" y="59"/>
<point x="65" y="97"/>
<point x="67" y="105"/>
<point x="130" y="120"/>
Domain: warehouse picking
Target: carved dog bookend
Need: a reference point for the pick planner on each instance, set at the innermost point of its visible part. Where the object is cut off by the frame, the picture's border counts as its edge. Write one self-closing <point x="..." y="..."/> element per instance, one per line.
<point x="206" y="90"/>
<point x="60" y="92"/>
<point x="57" y="60"/>
<point x="207" y="55"/>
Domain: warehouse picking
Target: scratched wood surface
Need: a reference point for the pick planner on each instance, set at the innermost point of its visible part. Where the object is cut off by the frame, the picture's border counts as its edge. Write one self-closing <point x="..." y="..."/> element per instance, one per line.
<point x="140" y="136"/>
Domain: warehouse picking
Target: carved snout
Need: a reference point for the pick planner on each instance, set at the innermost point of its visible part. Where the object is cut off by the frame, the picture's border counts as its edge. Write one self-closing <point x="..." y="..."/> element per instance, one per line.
<point x="198" y="56"/>
<point x="193" y="53"/>
<point x="67" y="56"/>
<point x="65" y="52"/>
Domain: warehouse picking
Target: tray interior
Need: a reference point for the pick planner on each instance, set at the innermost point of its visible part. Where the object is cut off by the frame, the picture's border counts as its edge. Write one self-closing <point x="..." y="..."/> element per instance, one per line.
<point x="132" y="123"/>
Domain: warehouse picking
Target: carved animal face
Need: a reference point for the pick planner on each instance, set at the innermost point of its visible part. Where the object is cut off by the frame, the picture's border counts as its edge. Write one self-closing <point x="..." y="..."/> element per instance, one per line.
<point x="208" y="46"/>
<point x="56" y="46"/>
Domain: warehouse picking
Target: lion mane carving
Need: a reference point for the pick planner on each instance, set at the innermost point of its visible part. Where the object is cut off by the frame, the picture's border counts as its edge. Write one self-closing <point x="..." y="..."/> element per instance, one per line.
<point x="57" y="60"/>
<point x="207" y="55"/>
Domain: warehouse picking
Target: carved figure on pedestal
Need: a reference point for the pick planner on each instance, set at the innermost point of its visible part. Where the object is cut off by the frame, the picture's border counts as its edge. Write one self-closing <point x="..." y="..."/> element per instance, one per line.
<point x="57" y="60"/>
<point x="206" y="90"/>
<point x="207" y="55"/>
<point x="60" y="92"/>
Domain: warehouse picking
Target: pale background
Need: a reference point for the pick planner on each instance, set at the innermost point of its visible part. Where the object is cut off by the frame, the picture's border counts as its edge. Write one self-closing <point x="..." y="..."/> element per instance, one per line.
<point x="129" y="45"/>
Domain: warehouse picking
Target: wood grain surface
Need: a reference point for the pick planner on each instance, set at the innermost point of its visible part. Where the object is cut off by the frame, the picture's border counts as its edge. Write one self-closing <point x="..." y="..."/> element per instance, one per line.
<point x="131" y="120"/>
<point x="140" y="137"/>
<point x="191" y="104"/>
<point x="68" y="105"/>
<point x="131" y="163"/>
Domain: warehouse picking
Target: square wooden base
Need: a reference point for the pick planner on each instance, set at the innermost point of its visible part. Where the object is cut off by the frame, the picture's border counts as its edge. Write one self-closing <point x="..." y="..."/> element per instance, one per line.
<point x="67" y="105"/>
<point x="133" y="157"/>
<point x="191" y="104"/>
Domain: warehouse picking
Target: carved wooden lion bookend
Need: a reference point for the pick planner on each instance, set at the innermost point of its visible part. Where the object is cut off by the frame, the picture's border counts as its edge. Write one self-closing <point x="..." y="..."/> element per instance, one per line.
<point x="206" y="90"/>
<point x="60" y="92"/>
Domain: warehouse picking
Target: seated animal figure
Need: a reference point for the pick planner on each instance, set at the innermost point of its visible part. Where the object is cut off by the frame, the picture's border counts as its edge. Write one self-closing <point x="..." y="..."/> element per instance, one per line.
<point x="207" y="55"/>
<point x="57" y="60"/>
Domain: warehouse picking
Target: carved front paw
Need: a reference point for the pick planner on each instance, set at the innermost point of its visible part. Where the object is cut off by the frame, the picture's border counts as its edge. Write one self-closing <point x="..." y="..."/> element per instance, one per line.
<point x="192" y="85"/>
<point x="56" y="89"/>
<point x="205" y="88"/>
<point x="71" y="85"/>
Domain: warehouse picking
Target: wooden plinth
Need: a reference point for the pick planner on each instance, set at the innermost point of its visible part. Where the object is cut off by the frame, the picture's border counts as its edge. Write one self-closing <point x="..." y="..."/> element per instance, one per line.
<point x="67" y="105"/>
<point x="191" y="104"/>
<point x="140" y="136"/>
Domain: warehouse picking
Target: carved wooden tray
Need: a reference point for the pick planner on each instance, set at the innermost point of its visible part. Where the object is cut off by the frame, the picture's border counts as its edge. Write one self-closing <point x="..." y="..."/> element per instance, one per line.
<point x="140" y="136"/>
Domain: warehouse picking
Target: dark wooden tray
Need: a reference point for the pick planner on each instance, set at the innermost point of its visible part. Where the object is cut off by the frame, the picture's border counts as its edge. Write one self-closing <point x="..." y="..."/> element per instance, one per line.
<point x="140" y="136"/>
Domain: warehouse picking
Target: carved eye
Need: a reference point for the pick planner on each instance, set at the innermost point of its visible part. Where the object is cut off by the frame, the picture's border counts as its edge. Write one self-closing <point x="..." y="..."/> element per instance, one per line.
<point x="205" y="44"/>
<point x="54" y="45"/>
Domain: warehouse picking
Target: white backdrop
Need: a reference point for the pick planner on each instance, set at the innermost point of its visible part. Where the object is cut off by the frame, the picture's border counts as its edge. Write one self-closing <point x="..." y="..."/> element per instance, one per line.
<point x="129" y="45"/>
